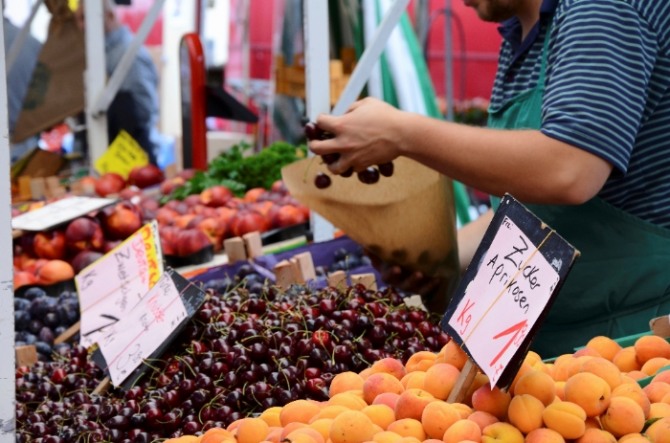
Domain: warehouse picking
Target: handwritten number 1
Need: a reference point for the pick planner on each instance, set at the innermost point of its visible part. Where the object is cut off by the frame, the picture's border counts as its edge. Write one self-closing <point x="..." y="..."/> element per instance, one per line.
<point x="515" y="330"/>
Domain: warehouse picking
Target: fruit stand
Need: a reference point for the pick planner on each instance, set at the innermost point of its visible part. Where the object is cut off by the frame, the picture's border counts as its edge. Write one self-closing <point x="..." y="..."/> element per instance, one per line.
<point x="212" y="305"/>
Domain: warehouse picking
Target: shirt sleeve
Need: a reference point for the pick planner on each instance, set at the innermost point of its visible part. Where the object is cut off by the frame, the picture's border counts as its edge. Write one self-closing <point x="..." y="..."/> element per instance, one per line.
<point x="599" y="66"/>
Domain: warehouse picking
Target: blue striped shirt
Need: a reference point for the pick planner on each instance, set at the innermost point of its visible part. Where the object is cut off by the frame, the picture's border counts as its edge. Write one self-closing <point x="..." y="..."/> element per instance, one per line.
<point x="607" y="92"/>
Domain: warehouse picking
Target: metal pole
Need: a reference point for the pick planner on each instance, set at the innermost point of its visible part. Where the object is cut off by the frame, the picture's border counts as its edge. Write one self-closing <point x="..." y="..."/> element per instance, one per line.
<point x="7" y="389"/>
<point x="421" y="10"/>
<point x="448" y="61"/>
<point x="95" y="79"/>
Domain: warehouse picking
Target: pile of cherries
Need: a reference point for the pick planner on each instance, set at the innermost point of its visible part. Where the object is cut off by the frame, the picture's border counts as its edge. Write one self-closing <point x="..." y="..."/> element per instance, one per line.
<point x="248" y="348"/>
<point x="369" y="175"/>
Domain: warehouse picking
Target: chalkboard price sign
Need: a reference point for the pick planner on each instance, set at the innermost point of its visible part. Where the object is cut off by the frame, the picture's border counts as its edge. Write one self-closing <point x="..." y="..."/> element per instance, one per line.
<point x="507" y="290"/>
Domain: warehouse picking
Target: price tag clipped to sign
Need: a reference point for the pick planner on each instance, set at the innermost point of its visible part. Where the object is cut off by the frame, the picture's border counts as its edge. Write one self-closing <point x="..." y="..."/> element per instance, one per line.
<point x="147" y="329"/>
<point x="507" y="291"/>
<point x="111" y="286"/>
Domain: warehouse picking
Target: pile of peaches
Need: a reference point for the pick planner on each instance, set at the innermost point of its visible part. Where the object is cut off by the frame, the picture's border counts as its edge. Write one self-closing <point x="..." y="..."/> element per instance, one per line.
<point x="593" y="395"/>
<point x="215" y="214"/>
<point x="185" y="227"/>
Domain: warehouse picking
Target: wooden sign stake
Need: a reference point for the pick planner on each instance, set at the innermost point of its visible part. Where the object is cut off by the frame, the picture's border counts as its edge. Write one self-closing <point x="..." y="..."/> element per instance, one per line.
<point x="67" y="334"/>
<point x="368" y="280"/>
<point x="253" y="244"/>
<point x="337" y="279"/>
<point x="305" y="267"/>
<point x="234" y="249"/>
<point x="103" y="386"/>
<point x="284" y="274"/>
<point x="463" y="383"/>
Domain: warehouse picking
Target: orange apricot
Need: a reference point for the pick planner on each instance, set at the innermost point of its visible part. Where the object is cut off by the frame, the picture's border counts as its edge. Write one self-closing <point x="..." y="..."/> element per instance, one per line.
<point x="379" y="383"/>
<point x="650" y="346"/>
<point x="525" y="412"/>
<point x="623" y="416"/>
<point x="538" y="384"/>
<point x="440" y="380"/>
<point x="351" y="427"/>
<point x="408" y="427"/>
<point x="589" y="391"/>
<point x="345" y="381"/>
<point x="604" y="346"/>
<point x="300" y="411"/>
<point x="437" y="417"/>
<point x="462" y="430"/>
<point x="420" y="361"/>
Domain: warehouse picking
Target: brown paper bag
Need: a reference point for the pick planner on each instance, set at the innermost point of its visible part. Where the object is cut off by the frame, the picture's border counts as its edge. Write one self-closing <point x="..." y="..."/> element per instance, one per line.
<point x="408" y="218"/>
<point x="56" y="89"/>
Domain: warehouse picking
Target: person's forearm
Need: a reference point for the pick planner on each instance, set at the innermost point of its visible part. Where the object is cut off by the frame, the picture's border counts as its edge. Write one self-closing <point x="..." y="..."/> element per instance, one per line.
<point x="525" y="163"/>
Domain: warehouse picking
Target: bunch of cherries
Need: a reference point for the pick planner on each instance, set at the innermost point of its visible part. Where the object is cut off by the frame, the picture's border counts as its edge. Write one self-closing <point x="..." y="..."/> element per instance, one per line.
<point x="251" y="346"/>
<point x="369" y="175"/>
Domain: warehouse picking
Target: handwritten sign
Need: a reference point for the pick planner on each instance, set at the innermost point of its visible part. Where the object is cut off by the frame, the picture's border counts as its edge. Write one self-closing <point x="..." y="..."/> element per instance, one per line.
<point x="501" y="301"/>
<point x="58" y="212"/>
<point x="122" y="156"/>
<point x="113" y="285"/>
<point x="147" y="329"/>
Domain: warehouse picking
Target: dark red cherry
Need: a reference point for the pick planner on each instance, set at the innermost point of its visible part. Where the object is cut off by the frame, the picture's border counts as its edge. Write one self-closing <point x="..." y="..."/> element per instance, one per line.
<point x="321" y="180"/>
<point x="386" y="169"/>
<point x="369" y="176"/>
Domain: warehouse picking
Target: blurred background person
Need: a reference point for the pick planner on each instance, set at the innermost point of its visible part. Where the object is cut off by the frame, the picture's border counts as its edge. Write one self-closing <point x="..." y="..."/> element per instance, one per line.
<point x="18" y="80"/>
<point x="135" y="106"/>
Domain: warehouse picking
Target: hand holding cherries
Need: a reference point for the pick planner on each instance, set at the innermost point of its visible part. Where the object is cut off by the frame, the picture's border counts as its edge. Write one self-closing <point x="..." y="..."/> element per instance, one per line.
<point x="369" y="175"/>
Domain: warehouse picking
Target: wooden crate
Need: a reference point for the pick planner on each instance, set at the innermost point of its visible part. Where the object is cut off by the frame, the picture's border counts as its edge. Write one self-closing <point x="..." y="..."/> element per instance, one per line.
<point x="290" y="79"/>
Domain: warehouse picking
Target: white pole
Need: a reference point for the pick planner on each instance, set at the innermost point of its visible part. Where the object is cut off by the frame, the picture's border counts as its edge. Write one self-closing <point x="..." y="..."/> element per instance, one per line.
<point x="317" y="83"/>
<point x="370" y="57"/>
<point x="95" y="79"/>
<point x="122" y="69"/>
<point x="7" y="390"/>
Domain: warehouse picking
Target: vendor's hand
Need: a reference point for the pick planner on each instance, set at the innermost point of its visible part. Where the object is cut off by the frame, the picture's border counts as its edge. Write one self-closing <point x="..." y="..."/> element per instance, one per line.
<point x="433" y="290"/>
<point x="366" y="135"/>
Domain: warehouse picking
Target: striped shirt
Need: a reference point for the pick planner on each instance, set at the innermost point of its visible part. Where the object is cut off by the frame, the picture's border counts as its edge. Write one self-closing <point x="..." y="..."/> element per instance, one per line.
<point x="607" y="92"/>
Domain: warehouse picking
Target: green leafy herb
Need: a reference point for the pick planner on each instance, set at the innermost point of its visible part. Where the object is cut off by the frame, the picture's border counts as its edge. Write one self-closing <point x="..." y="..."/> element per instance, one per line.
<point x="239" y="169"/>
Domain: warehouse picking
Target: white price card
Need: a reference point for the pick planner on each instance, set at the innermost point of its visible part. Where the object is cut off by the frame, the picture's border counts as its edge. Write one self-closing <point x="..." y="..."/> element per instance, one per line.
<point x="505" y="293"/>
<point x="506" y="297"/>
<point x="113" y="285"/>
<point x="58" y="212"/>
<point x="143" y="329"/>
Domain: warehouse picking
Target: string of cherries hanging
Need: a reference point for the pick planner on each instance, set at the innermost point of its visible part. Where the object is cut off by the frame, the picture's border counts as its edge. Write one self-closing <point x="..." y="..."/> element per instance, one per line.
<point x="369" y="175"/>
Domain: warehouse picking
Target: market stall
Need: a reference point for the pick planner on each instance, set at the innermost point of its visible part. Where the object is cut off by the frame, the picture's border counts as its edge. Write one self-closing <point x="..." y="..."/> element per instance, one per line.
<point x="240" y="298"/>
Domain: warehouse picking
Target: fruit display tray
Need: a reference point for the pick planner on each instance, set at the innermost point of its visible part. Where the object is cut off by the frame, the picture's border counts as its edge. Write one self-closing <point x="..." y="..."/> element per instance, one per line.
<point x="324" y="256"/>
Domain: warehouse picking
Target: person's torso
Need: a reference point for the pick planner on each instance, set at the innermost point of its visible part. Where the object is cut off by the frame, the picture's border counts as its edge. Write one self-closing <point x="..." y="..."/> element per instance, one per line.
<point x="20" y="74"/>
<point x="629" y="127"/>
<point x="142" y="78"/>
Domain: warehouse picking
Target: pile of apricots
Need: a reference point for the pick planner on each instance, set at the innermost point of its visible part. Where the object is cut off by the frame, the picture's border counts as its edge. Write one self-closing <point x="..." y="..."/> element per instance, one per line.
<point x="593" y="395"/>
